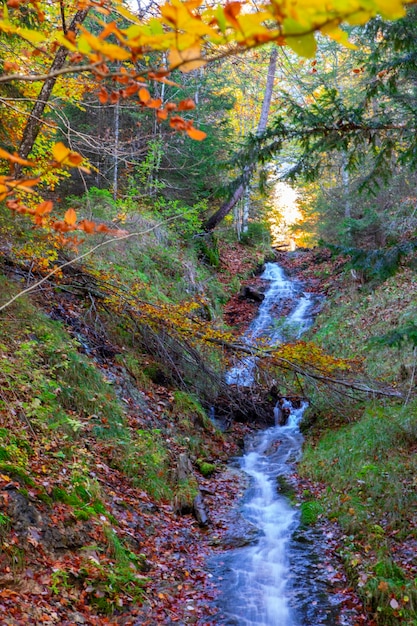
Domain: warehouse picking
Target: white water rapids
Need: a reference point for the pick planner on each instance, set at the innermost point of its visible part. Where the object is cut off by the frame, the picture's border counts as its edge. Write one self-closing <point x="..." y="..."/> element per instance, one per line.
<point x="276" y="581"/>
<point x="266" y="325"/>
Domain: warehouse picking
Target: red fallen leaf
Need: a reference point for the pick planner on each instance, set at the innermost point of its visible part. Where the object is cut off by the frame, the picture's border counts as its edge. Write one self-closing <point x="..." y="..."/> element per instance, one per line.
<point x="7" y="593"/>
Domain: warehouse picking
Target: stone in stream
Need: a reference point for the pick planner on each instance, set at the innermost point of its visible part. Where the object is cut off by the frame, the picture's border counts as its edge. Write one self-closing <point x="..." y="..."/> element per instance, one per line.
<point x="251" y="293"/>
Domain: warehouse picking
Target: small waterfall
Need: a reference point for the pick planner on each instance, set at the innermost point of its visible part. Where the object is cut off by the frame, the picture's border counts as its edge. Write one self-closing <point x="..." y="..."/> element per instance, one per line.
<point x="282" y="293"/>
<point x="273" y="582"/>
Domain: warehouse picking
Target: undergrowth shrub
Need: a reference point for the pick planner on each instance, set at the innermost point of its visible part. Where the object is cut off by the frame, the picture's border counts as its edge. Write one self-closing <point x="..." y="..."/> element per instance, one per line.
<point x="370" y="476"/>
<point x="146" y="460"/>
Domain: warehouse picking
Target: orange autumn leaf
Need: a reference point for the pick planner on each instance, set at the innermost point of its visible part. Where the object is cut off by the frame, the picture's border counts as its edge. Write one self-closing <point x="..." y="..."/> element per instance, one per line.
<point x="75" y="159"/>
<point x="196" y="134"/>
<point x="102" y="228"/>
<point x="103" y="96"/>
<point x="87" y="226"/>
<point x="8" y="185"/>
<point x="14" y="158"/>
<point x="154" y="104"/>
<point x="178" y="123"/>
<point x="129" y="91"/>
<point x="186" y="105"/>
<point x="65" y="156"/>
<point x="71" y="36"/>
<point x="186" y="60"/>
<point x="231" y="10"/>
<point x="144" y="95"/>
<point x="70" y="217"/>
<point x="44" y="208"/>
<point x="162" y="114"/>
<point x="109" y="29"/>
<point x="61" y="226"/>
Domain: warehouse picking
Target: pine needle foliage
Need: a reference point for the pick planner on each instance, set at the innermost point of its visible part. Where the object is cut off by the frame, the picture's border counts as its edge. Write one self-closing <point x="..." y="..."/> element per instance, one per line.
<point x="378" y="264"/>
<point x="375" y="128"/>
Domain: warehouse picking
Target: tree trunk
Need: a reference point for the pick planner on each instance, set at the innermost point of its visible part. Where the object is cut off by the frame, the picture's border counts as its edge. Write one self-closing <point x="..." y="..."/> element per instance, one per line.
<point x="245" y="210"/>
<point x="116" y="150"/>
<point x="226" y="207"/>
<point x="266" y="104"/>
<point x="345" y="184"/>
<point x="33" y="125"/>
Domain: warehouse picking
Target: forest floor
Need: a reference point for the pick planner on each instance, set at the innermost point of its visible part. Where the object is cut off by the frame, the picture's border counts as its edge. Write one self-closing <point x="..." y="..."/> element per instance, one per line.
<point x="55" y="564"/>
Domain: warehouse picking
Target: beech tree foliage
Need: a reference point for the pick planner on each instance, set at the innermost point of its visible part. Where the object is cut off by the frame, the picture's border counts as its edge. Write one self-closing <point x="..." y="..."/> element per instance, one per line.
<point x="103" y="46"/>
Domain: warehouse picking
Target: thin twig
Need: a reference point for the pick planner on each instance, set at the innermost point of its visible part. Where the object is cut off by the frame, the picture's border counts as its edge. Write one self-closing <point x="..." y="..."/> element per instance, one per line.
<point x="413" y="373"/>
<point x="34" y="78"/>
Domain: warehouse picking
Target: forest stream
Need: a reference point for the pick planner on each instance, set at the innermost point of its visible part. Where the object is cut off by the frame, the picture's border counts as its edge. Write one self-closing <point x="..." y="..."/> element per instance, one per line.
<point x="278" y="579"/>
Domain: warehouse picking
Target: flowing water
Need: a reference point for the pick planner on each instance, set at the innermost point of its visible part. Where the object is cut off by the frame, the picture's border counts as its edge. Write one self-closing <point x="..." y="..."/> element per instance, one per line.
<point x="279" y="580"/>
<point x="269" y="324"/>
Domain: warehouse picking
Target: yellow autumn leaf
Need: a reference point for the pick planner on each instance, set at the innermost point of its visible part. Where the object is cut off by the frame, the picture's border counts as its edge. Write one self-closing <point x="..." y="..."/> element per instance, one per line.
<point x="186" y="60"/>
<point x="65" y="42"/>
<point x="253" y="23"/>
<point x="112" y="51"/>
<point x="60" y="152"/>
<point x="124" y="11"/>
<point x="65" y="156"/>
<point x="333" y="31"/>
<point x="33" y="36"/>
<point x="391" y="9"/>
<point x="304" y="46"/>
<point x="177" y="14"/>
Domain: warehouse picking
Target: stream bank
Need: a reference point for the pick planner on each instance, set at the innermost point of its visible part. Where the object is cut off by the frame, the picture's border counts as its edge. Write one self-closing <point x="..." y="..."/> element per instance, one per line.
<point x="278" y="576"/>
<point x="58" y="579"/>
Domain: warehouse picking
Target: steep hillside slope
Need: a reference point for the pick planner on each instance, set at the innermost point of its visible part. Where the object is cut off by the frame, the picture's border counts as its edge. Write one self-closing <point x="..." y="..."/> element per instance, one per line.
<point x="361" y="460"/>
<point x="105" y="446"/>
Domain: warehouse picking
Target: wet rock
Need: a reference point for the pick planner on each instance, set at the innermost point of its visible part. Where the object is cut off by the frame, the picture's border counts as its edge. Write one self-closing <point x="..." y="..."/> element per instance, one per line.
<point x="77" y="618"/>
<point x="22" y="512"/>
<point x="240" y="532"/>
<point x="66" y="538"/>
<point x="251" y="293"/>
<point x="302" y="537"/>
<point x="272" y="448"/>
<point x="199" y="510"/>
